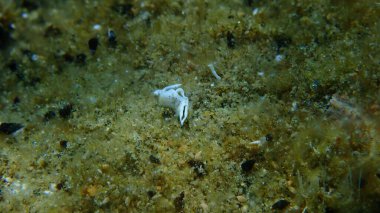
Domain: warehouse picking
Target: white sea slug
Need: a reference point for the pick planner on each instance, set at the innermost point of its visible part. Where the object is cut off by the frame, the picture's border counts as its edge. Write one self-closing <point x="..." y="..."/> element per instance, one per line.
<point x="174" y="97"/>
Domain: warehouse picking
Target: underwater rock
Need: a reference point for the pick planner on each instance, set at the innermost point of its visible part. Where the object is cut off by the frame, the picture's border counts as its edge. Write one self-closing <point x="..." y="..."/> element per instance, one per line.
<point x="280" y="204"/>
<point x="10" y="128"/>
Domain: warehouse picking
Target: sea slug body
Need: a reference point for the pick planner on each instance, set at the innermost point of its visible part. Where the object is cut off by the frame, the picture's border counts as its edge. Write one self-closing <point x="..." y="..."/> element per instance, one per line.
<point x="174" y="97"/>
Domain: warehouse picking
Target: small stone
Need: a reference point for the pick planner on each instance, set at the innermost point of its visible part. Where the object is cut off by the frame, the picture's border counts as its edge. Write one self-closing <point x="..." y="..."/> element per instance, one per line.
<point x="269" y="137"/>
<point x="111" y="38"/>
<point x="52" y="31"/>
<point x="230" y="40"/>
<point x="247" y="165"/>
<point x="81" y="59"/>
<point x="280" y="204"/>
<point x="63" y="144"/>
<point x="65" y="112"/>
<point x="93" y="44"/>
<point x="241" y="199"/>
<point x="199" y="167"/>
<point x="154" y="159"/>
<point x="10" y="128"/>
<point x="49" y="115"/>
<point x="179" y="202"/>
<point x="151" y="193"/>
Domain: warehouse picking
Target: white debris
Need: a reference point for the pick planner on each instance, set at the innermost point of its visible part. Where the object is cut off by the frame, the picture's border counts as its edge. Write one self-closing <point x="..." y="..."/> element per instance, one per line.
<point x="255" y="11"/>
<point x="97" y="27"/>
<point x="279" y="57"/>
<point x="212" y="68"/>
<point x="259" y="142"/>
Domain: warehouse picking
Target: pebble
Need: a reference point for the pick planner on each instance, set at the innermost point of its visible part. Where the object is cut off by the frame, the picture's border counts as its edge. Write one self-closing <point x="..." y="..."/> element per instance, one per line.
<point x="280" y="204"/>
<point x="10" y="128"/>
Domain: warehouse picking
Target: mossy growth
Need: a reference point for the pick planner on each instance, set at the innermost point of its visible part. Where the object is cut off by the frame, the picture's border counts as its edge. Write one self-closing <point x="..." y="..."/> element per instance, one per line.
<point x="292" y="125"/>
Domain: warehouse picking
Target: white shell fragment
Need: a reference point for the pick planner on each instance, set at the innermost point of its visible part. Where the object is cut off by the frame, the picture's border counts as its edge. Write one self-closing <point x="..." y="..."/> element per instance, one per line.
<point x="174" y="97"/>
<point x="213" y="71"/>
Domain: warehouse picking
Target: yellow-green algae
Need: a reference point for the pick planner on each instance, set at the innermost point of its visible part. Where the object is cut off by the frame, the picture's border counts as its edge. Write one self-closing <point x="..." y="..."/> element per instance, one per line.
<point x="118" y="151"/>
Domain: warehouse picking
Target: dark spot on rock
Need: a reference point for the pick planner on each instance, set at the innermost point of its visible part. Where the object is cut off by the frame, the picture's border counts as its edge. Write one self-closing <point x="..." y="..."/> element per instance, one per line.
<point x="179" y="202"/>
<point x="247" y="165"/>
<point x="52" y="31"/>
<point x="248" y="2"/>
<point x="93" y="44"/>
<point x="10" y="128"/>
<point x="81" y="59"/>
<point x="124" y="9"/>
<point x="68" y="57"/>
<point x="269" y="137"/>
<point x="330" y="210"/>
<point x="49" y="115"/>
<point x="230" y="40"/>
<point x="16" y="100"/>
<point x="33" y="81"/>
<point x="63" y="144"/>
<point x="13" y="66"/>
<point x="282" y="41"/>
<point x="280" y="204"/>
<point x="111" y="38"/>
<point x="151" y="193"/>
<point x="60" y="185"/>
<point x="65" y="111"/>
<point x="154" y="159"/>
<point x="5" y="38"/>
<point x="315" y="85"/>
<point x="29" y="5"/>
<point x="199" y="167"/>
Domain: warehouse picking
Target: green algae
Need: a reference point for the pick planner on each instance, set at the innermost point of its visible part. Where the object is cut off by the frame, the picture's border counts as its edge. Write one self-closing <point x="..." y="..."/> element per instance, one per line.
<point x="319" y="104"/>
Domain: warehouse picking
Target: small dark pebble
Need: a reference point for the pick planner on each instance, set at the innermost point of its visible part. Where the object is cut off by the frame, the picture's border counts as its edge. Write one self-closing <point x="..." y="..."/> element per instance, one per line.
<point x="249" y="3"/>
<point x="16" y="100"/>
<point x="63" y="144"/>
<point x="230" y="40"/>
<point x="151" y="193"/>
<point x="29" y="5"/>
<point x="247" y="165"/>
<point x="10" y="128"/>
<point x="199" y="167"/>
<point x="81" y="59"/>
<point x="49" y="115"/>
<point x="65" y="112"/>
<point x="269" y="137"/>
<point x="68" y="57"/>
<point x="111" y="38"/>
<point x="330" y="210"/>
<point x="282" y="41"/>
<point x="52" y="31"/>
<point x="60" y="186"/>
<point x="179" y="202"/>
<point x="315" y="85"/>
<point x="154" y="159"/>
<point x="13" y="66"/>
<point x="5" y="38"/>
<point x="93" y="44"/>
<point x="280" y="204"/>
